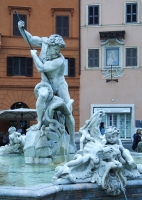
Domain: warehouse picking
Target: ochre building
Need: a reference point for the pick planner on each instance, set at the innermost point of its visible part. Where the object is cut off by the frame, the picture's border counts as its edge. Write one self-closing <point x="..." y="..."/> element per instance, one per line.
<point x="18" y="75"/>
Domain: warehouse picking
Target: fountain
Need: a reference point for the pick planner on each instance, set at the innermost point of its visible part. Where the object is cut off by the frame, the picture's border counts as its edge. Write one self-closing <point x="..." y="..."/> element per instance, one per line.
<point x="45" y="164"/>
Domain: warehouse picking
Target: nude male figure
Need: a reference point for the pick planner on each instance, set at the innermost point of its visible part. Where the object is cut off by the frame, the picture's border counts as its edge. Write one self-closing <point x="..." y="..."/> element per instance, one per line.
<point x="50" y="64"/>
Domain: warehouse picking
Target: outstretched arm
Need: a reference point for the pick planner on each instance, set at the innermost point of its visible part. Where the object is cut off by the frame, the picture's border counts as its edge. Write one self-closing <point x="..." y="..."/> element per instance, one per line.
<point x="34" y="40"/>
<point x="48" y="65"/>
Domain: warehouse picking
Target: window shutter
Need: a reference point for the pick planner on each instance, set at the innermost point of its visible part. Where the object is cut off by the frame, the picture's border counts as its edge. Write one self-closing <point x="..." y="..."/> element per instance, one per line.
<point x="66" y="26"/>
<point x="58" y="25"/>
<point x="9" y="66"/>
<point x="93" y="57"/>
<point x="128" y="57"/>
<point x="131" y="12"/>
<point x="134" y="56"/>
<point x="15" y="25"/>
<point x="96" y="58"/>
<point x="96" y="15"/>
<point x="128" y="13"/>
<point x="90" y="57"/>
<point x="29" y="67"/>
<point x="71" y="67"/>
<point x="62" y="26"/>
<point x="93" y="15"/>
<point x="16" y="31"/>
<point x="131" y="57"/>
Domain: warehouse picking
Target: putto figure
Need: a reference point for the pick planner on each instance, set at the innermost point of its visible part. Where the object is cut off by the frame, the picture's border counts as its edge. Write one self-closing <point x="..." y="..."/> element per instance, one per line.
<point x="101" y="160"/>
<point x="16" y="143"/>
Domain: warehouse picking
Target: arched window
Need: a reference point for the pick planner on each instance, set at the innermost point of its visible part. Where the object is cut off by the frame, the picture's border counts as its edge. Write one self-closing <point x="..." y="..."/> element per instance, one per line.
<point x="18" y="105"/>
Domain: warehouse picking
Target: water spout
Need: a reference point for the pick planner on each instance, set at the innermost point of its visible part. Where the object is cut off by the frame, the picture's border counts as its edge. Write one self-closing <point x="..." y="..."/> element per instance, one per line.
<point x="122" y="188"/>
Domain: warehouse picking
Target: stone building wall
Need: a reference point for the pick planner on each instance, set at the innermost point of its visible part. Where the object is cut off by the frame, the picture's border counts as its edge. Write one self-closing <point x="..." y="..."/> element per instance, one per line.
<point x="41" y="17"/>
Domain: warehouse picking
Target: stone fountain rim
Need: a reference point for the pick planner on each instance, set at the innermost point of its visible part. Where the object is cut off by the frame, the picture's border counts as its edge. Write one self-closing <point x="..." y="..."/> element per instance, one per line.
<point x="45" y="190"/>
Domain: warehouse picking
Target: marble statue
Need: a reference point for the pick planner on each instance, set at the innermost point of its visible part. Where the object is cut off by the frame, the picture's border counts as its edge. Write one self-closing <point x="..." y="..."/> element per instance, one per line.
<point x="102" y="160"/>
<point x="53" y="105"/>
<point x="91" y="129"/>
<point x="16" y="143"/>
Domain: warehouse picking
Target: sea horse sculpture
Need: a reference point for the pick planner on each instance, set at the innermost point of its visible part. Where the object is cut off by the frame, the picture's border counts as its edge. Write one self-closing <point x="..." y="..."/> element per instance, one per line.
<point x="102" y="160"/>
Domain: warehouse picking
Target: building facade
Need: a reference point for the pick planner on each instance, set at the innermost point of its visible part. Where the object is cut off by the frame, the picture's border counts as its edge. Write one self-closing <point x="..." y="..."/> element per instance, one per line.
<point x="111" y="65"/>
<point x="18" y="75"/>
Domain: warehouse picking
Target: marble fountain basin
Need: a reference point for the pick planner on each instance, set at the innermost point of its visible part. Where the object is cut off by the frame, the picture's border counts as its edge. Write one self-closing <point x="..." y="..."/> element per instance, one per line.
<point x="26" y="182"/>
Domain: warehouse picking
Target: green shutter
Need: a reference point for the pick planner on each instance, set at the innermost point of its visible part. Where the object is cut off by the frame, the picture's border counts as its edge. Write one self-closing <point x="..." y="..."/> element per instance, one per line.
<point x="131" y="56"/>
<point x="29" y="67"/>
<point x="93" y="58"/>
<point x="71" y="67"/>
<point x="9" y="66"/>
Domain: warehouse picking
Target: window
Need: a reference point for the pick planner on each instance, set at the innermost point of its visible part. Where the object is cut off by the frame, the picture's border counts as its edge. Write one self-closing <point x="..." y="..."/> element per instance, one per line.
<point x="16" y="31"/>
<point x="131" y="56"/>
<point x="93" y="15"/>
<point x="63" y="21"/>
<point x="62" y="25"/>
<point x="24" y="13"/>
<point x="122" y="122"/>
<point x="18" y="105"/>
<point x="69" y="67"/>
<point x="120" y="116"/>
<point x="19" y="66"/>
<point x="93" y="58"/>
<point x="131" y="12"/>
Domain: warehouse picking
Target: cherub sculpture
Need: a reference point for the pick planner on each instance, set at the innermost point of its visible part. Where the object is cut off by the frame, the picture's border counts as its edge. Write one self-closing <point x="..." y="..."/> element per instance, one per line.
<point x="16" y="142"/>
<point x="103" y="160"/>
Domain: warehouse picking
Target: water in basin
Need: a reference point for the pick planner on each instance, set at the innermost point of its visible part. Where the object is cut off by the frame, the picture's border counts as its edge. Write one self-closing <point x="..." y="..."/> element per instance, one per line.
<point x="137" y="157"/>
<point x="14" y="172"/>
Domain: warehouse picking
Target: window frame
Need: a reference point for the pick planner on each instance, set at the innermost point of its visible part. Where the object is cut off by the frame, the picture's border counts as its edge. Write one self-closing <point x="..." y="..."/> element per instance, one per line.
<point x="21" y="11"/>
<point x="87" y="16"/>
<point x="94" y="68"/>
<point x="18" y="68"/>
<point x="10" y="64"/>
<point x="125" y="13"/>
<point x="17" y="24"/>
<point x="62" y="28"/>
<point x="63" y="12"/>
<point x="112" y="108"/>
<point x="131" y="47"/>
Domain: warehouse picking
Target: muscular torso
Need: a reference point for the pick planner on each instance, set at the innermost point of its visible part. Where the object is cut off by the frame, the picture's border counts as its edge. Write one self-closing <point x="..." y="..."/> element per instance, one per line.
<point x="56" y="76"/>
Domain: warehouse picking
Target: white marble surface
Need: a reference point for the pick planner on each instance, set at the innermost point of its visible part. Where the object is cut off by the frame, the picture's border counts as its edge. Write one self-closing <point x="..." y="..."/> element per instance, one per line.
<point x="53" y="105"/>
<point x="102" y="159"/>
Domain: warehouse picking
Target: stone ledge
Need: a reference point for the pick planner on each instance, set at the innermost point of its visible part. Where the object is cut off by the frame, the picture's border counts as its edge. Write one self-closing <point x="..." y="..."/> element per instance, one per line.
<point x="87" y="191"/>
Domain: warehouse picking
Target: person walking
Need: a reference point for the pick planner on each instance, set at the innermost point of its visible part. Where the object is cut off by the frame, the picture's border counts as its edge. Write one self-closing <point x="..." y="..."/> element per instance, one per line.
<point x="136" y="139"/>
<point x="102" y="129"/>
